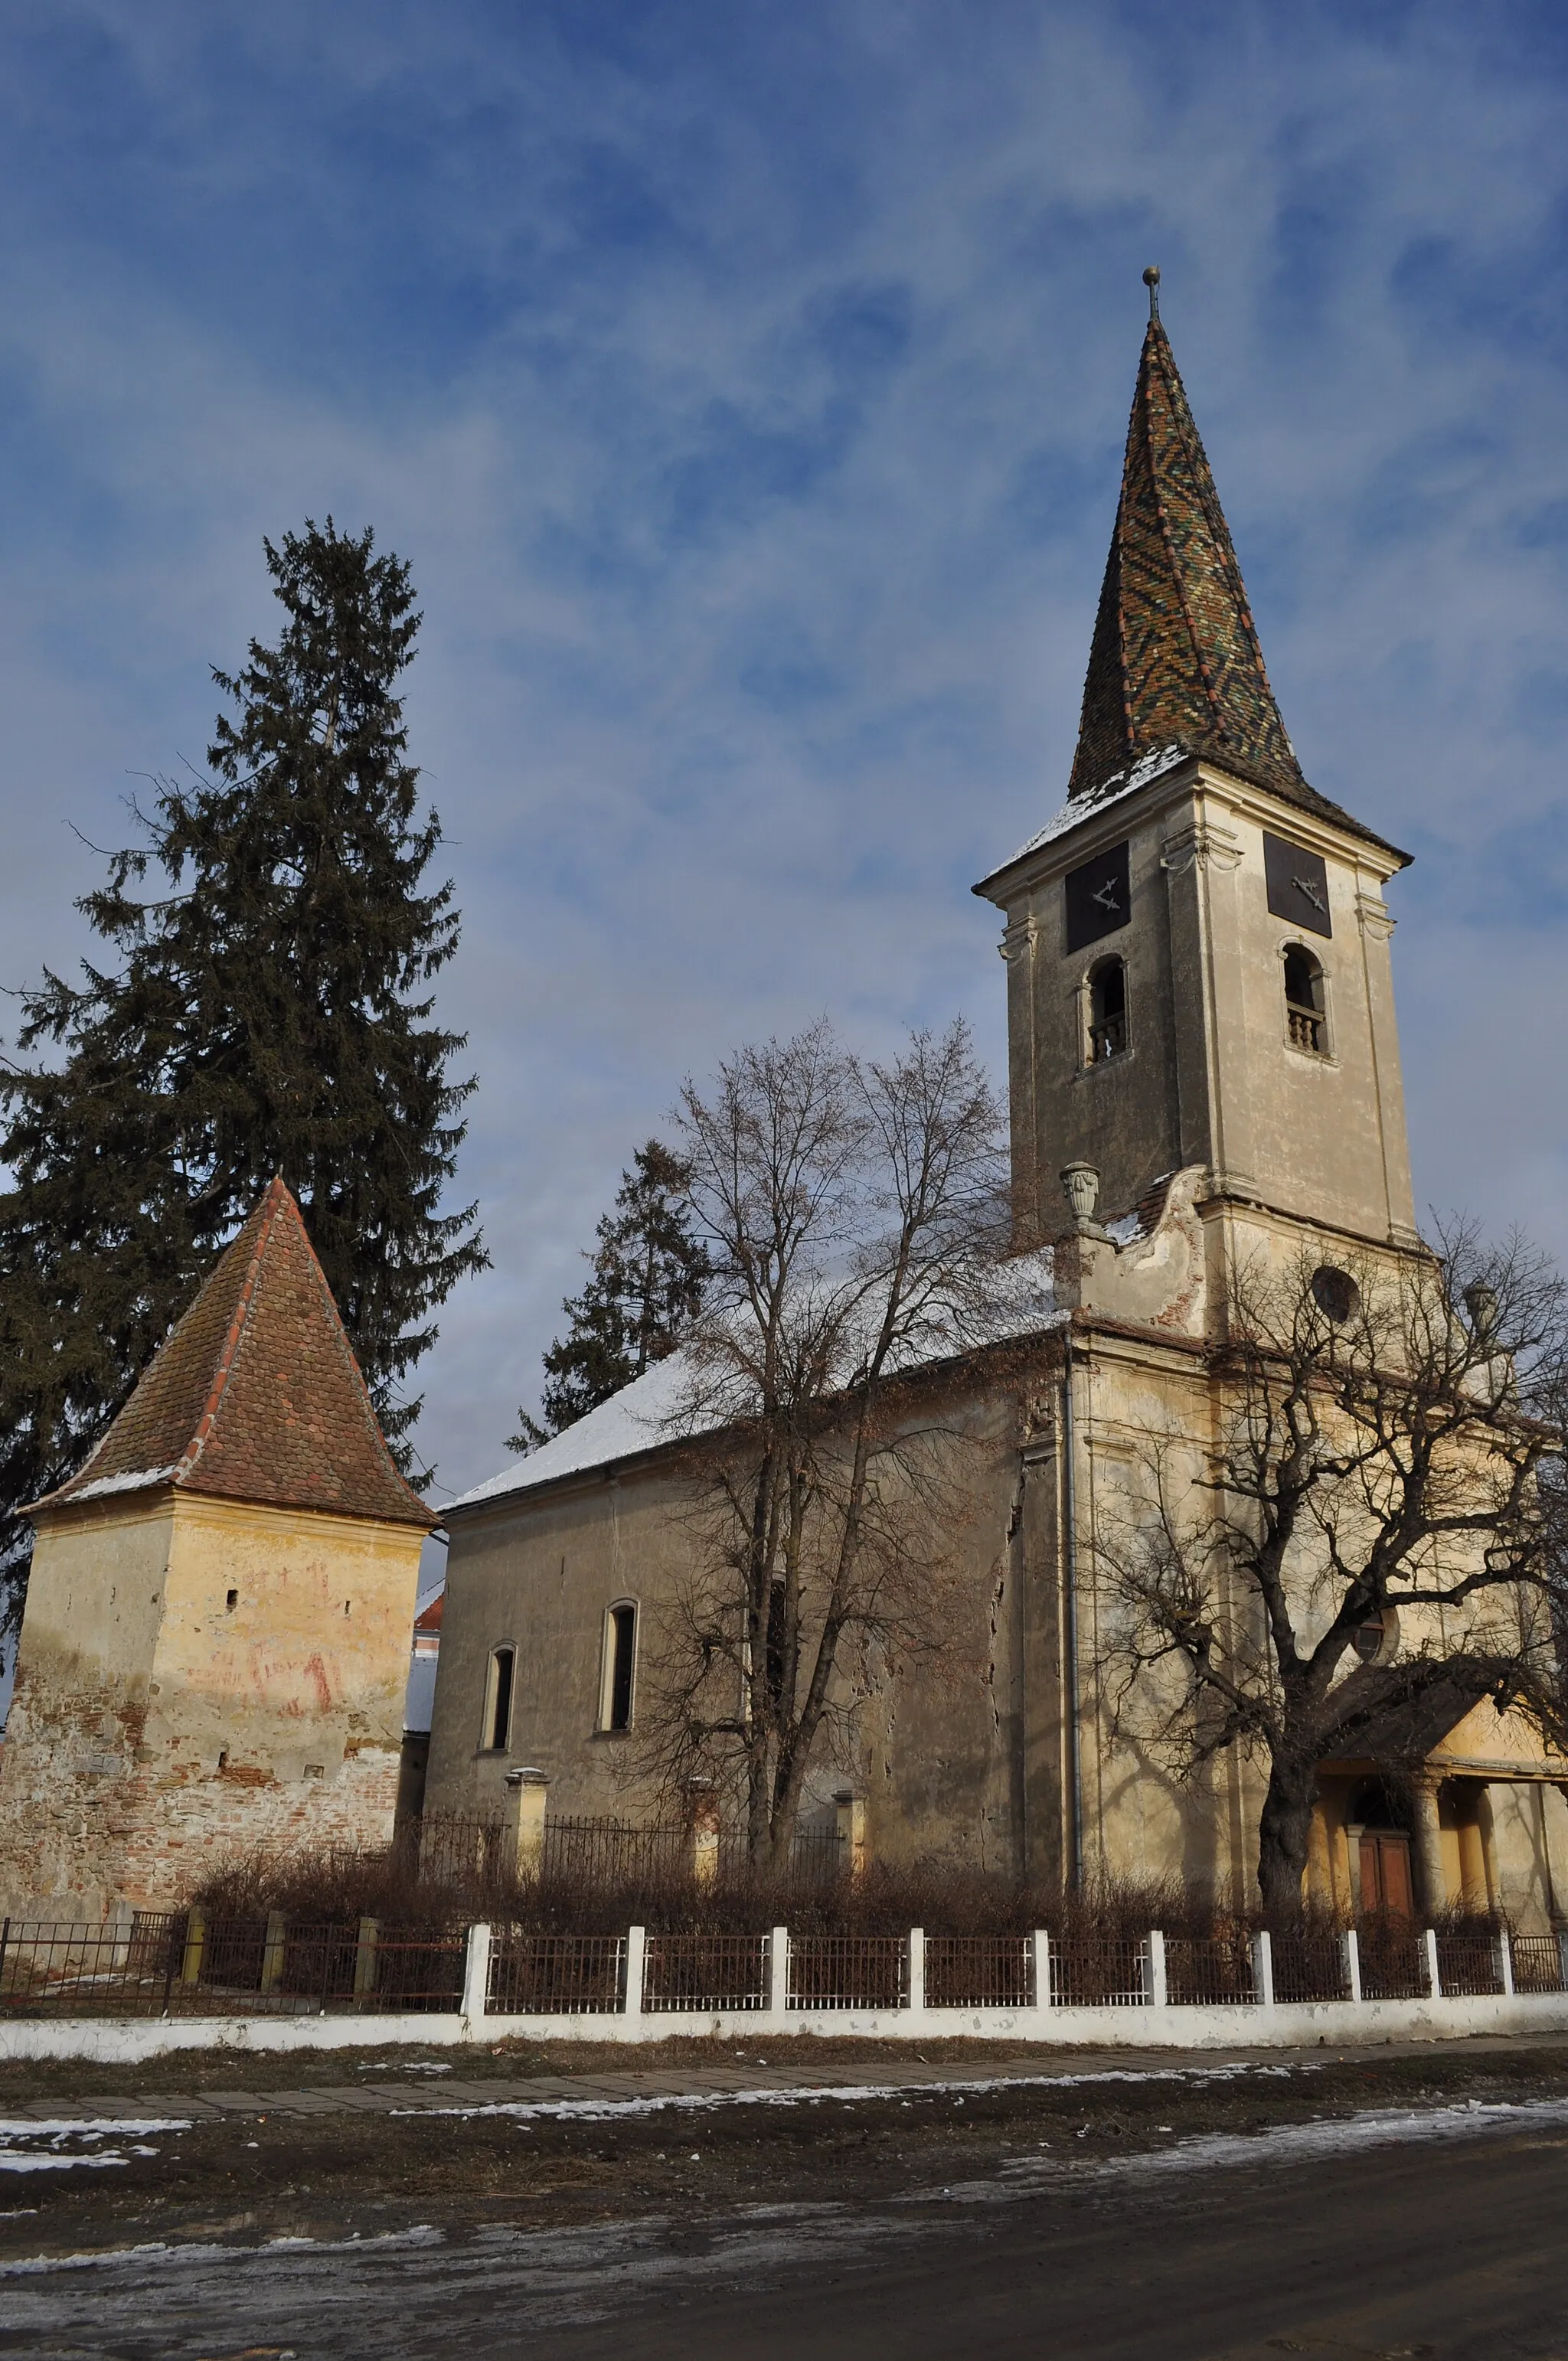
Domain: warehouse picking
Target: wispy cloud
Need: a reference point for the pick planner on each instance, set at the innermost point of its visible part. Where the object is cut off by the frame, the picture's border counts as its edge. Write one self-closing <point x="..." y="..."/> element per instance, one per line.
<point x="747" y="389"/>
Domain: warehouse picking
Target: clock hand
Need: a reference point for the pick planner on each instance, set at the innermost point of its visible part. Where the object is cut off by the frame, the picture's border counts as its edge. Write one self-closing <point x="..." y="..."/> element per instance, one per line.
<point x="1311" y="892"/>
<point x="1106" y="896"/>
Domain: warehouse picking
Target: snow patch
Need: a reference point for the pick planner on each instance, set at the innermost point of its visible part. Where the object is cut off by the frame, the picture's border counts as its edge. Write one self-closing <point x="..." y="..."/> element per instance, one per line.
<point x="654" y="1409"/>
<point x="67" y="2143"/>
<point x="135" y="1481"/>
<point x="1081" y="807"/>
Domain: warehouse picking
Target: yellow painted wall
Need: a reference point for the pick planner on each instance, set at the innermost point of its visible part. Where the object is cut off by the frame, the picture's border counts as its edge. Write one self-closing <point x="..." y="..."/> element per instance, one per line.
<point x="157" y="1731"/>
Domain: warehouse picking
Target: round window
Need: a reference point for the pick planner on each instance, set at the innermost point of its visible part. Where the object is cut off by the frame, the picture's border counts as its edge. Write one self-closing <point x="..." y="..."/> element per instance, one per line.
<point x="1335" y="1293"/>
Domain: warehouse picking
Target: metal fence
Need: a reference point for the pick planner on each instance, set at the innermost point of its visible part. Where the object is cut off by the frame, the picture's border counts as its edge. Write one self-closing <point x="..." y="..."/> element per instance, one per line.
<point x="556" y="1975"/>
<point x="168" y="1964"/>
<point x="1536" y="1963"/>
<point x="1099" y="1971"/>
<point x="1393" y="1960"/>
<point x="456" y="1849"/>
<point x="849" y="1972"/>
<point x="129" y="1969"/>
<point x="605" y="1849"/>
<point x="1469" y="1965"/>
<point x="705" y="1971"/>
<point x="978" y="1971"/>
<point x="1308" y="1968"/>
<point x="1212" y="1970"/>
<point x="179" y="1964"/>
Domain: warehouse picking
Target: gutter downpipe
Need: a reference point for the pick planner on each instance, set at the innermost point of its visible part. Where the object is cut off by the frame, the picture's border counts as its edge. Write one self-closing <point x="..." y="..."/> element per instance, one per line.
<point x="1069" y="1560"/>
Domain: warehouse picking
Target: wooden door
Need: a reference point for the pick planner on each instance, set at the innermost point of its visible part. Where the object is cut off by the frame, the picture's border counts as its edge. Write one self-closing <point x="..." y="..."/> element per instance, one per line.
<point x="1385" y="1874"/>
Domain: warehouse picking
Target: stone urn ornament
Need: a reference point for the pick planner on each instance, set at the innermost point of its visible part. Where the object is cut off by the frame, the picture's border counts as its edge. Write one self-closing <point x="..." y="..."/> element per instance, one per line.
<point x="1080" y="1182"/>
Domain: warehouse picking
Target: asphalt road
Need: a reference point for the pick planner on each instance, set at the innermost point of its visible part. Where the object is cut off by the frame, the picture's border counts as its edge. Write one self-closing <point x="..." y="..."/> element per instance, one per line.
<point x="1392" y="2233"/>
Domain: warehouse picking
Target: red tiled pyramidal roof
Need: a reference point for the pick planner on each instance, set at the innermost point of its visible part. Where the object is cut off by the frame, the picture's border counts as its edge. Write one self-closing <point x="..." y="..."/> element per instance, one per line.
<point x="1175" y="661"/>
<point x="255" y="1394"/>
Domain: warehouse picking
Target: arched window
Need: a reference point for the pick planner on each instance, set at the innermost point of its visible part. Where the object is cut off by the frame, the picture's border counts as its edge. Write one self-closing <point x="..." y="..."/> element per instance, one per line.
<point x="1107" y="1011"/>
<point x="619" y="1673"/>
<point x="497" y="1697"/>
<point x="1305" y="1017"/>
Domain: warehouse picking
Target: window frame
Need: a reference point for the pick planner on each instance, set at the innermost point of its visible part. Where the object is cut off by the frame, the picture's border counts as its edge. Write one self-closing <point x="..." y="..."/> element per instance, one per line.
<point x="609" y="1665"/>
<point x="1298" y="1013"/>
<point x="1093" y="974"/>
<point x="488" y="1741"/>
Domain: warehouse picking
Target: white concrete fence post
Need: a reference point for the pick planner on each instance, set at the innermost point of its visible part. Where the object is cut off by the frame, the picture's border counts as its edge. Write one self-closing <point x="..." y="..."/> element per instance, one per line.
<point x="1352" y="1951"/>
<point x="1157" y="1994"/>
<point x="636" y="1958"/>
<point x="916" y="1968"/>
<point x="1504" y="1949"/>
<point x="476" y="1973"/>
<point x="1434" y="1974"/>
<point x="778" y="1974"/>
<point x="1262" y="1968"/>
<point x="1041" y="1964"/>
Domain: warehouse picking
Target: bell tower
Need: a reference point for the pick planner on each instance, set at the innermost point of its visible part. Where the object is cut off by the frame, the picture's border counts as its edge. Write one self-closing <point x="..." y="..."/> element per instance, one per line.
<point x="1197" y="945"/>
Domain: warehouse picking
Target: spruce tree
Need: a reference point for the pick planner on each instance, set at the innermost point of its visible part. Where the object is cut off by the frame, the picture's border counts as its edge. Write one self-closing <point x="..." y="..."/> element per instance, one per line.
<point x="266" y="1009"/>
<point x="647" y="1280"/>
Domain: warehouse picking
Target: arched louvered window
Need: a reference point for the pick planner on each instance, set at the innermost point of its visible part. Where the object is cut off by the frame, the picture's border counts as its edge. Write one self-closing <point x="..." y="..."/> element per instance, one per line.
<point x="1107" y="1011"/>
<point x="1306" y="1013"/>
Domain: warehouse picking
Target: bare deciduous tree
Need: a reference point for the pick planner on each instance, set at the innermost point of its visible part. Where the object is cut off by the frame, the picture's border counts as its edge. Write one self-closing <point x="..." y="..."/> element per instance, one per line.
<point x="1388" y="1445"/>
<point x="853" y="1215"/>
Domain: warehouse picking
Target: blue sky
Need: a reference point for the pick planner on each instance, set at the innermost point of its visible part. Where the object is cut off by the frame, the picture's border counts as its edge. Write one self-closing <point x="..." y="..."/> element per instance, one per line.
<point x="747" y="389"/>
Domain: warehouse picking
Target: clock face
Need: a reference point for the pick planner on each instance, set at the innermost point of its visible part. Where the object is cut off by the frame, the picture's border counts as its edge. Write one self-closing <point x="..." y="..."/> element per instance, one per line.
<point x="1297" y="885"/>
<point x="1099" y="897"/>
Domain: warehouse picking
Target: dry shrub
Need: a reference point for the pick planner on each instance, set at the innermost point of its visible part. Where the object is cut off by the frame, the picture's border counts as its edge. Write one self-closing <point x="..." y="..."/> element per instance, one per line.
<point x="338" y="1888"/>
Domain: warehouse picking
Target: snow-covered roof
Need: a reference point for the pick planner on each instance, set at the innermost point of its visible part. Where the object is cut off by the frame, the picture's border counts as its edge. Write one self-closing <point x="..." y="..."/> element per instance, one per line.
<point x="1081" y="807"/>
<point x="654" y="1409"/>
<point x="637" y="1419"/>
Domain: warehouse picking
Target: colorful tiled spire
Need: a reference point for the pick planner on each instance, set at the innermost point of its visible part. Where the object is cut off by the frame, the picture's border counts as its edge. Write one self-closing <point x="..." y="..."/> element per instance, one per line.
<point x="1175" y="661"/>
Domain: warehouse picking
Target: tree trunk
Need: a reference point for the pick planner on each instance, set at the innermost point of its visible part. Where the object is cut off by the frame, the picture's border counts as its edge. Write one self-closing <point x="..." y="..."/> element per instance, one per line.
<point x="1284" y="1834"/>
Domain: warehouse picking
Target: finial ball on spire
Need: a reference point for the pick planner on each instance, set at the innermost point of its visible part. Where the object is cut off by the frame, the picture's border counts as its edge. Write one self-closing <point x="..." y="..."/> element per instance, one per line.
<point x="1151" y="280"/>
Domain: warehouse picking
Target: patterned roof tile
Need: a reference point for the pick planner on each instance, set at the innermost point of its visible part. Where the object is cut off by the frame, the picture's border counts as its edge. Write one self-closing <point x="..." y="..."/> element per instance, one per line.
<point x="255" y="1394"/>
<point x="1174" y="661"/>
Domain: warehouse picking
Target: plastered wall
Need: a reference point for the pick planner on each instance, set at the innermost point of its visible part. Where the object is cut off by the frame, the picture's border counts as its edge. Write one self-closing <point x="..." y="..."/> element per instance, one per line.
<point x="157" y="1729"/>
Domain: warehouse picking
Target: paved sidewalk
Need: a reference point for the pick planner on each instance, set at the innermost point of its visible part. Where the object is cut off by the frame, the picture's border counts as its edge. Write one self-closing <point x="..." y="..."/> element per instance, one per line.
<point x="439" y="2094"/>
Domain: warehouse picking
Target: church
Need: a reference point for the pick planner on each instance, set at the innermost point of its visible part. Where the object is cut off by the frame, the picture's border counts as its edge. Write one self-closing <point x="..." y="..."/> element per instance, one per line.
<point x="1203" y="1073"/>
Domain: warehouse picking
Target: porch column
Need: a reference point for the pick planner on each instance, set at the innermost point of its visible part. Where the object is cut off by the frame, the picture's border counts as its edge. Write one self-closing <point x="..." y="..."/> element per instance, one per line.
<point x="1352" y="1846"/>
<point x="1429" y="1843"/>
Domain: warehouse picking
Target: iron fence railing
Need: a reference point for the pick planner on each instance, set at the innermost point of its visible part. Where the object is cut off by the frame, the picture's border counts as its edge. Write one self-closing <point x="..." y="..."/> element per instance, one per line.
<point x="1469" y="1965"/>
<point x="1099" y="1971"/>
<point x="181" y="1964"/>
<point x="978" y="1971"/>
<point x="1210" y="1971"/>
<point x="1538" y="1963"/>
<point x="848" y="1972"/>
<point x="1309" y="1967"/>
<point x="170" y="1964"/>
<point x="1393" y="1960"/>
<point x="455" y="1849"/>
<point x="556" y="1975"/>
<point x="126" y="1968"/>
<point x="605" y="1849"/>
<point x="705" y="1971"/>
